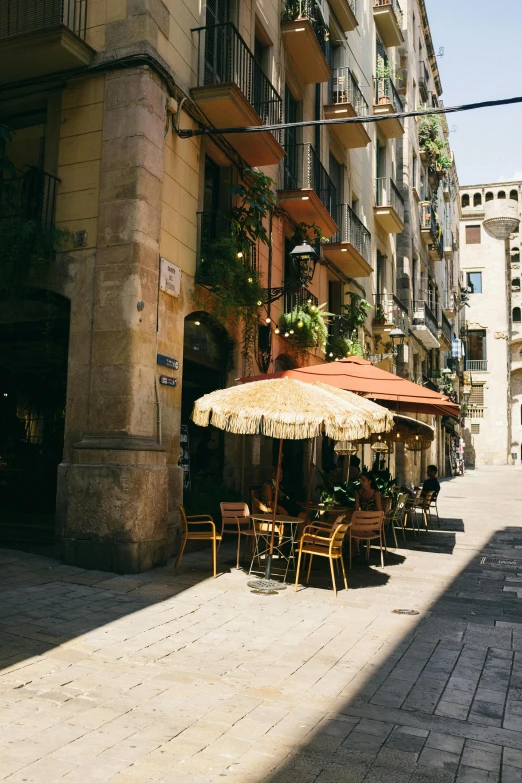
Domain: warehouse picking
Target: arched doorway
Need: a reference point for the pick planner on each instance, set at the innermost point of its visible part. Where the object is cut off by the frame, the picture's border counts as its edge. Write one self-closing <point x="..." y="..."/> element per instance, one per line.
<point x="34" y="338"/>
<point x="206" y="350"/>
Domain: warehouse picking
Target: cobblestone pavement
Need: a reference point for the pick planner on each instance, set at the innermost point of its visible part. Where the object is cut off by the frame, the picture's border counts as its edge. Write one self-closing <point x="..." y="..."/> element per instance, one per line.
<point x="189" y="679"/>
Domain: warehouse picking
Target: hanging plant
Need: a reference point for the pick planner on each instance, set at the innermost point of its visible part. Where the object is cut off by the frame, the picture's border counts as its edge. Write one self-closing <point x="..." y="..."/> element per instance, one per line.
<point x="344" y="342"/>
<point x="255" y="198"/>
<point x="305" y="327"/>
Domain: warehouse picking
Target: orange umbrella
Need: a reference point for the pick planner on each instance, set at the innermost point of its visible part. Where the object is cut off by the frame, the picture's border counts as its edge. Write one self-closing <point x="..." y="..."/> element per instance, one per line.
<point x="358" y="375"/>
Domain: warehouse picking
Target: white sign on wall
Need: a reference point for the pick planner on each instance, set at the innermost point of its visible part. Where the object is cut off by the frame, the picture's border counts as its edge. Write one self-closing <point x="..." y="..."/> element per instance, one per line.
<point x="170" y="277"/>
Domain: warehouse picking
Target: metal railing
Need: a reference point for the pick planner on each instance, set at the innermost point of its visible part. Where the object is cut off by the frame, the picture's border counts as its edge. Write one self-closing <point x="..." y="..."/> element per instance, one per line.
<point x="428" y="220"/>
<point x="390" y="310"/>
<point x="387" y="195"/>
<point x="213" y="226"/>
<point x="352" y="230"/>
<point x="476" y="365"/>
<point x="385" y="92"/>
<point x="223" y="56"/>
<point x="30" y="196"/>
<point x="428" y="383"/>
<point x="299" y="298"/>
<point x="395" y="7"/>
<point x="303" y="169"/>
<point x="445" y="326"/>
<point x="423" y="316"/>
<point x="23" y="16"/>
<point x="343" y="88"/>
<point x="310" y="10"/>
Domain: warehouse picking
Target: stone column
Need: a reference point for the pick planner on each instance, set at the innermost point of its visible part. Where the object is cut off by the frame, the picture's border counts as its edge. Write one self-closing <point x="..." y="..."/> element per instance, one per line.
<point x="112" y="498"/>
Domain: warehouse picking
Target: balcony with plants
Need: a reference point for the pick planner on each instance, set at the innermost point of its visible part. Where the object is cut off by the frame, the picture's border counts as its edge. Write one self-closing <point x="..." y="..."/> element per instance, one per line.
<point x="389" y="313"/>
<point x="425" y="324"/>
<point x="40" y="38"/>
<point x="387" y="100"/>
<point x="344" y="329"/>
<point x="345" y="99"/>
<point x="434" y="150"/>
<point x="387" y="15"/>
<point x="350" y="248"/>
<point x="234" y="92"/>
<point x="389" y="206"/>
<point x="431" y="231"/>
<point x="445" y="328"/>
<point x="307" y="193"/>
<point x="306" y="39"/>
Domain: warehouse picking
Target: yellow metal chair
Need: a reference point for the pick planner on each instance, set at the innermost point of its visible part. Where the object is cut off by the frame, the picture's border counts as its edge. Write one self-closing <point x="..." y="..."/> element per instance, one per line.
<point x="324" y="542"/>
<point x="237" y="517"/>
<point x="368" y="526"/>
<point x="191" y="534"/>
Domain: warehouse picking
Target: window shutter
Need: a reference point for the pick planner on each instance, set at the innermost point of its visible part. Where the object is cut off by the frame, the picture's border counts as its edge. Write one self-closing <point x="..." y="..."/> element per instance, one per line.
<point x="475" y="429"/>
<point x="473" y="235"/>
<point x="477" y="394"/>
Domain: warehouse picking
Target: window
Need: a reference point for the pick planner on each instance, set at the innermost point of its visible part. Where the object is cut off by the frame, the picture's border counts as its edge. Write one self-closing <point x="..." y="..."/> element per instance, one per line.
<point x="501" y="194"/>
<point x="521" y="414"/>
<point x="415" y="171"/>
<point x="477" y="395"/>
<point x="515" y="284"/>
<point x="474" y="282"/>
<point x="465" y="200"/>
<point x="514" y="195"/>
<point x="489" y="196"/>
<point x="472" y="235"/>
<point x="517" y="317"/>
<point x="476" y="345"/>
<point x="515" y="255"/>
<point x="475" y="428"/>
<point x="477" y="200"/>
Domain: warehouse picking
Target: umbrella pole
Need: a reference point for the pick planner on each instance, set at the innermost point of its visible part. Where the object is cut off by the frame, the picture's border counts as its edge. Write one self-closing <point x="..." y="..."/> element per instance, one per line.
<point x="274" y="512"/>
<point x="310" y="476"/>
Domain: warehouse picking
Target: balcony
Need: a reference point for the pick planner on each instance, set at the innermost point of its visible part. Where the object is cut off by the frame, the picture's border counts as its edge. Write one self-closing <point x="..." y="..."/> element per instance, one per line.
<point x="387" y="16"/>
<point x="213" y="226"/>
<point x="424" y="325"/>
<point x="308" y="194"/>
<point x="431" y="231"/>
<point x="233" y="92"/>
<point x="389" y="313"/>
<point x="346" y="100"/>
<point x="424" y="79"/>
<point x="350" y="247"/>
<point x="449" y="245"/>
<point x="389" y="206"/>
<point x="40" y="38"/>
<point x="449" y="304"/>
<point x="476" y="365"/>
<point x="387" y="101"/>
<point x="29" y="196"/>
<point x="345" y="11"/>
<point x="445" y="329"/>
<point x="428" y="383"/>
<point x="299" y="298"/>
<point x="305" y="38"/>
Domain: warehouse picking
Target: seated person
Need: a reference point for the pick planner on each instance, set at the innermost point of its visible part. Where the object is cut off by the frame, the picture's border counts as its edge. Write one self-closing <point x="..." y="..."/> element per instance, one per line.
<point x="285" y="505"/>
<point x="354" y="471"/>
<point x="368" y="498"/>
<point x="432" y="483"/>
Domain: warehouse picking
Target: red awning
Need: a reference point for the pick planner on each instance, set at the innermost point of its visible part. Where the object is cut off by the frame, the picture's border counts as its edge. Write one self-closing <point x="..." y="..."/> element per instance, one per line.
<point x="360" y="376"/>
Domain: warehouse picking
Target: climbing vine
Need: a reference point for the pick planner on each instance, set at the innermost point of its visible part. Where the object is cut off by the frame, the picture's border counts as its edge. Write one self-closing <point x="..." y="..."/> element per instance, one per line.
<point x="344" y="333"/>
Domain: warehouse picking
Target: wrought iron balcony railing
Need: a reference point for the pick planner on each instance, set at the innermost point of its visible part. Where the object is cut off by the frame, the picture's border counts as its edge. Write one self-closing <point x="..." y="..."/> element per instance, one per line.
<point x="352" y="230"/>
<point x="299" y="298"/>
<point x="445" y="326"/>
<point x="310" y="10"/>
<point x="23" y="16"/>
<point x="395" y="6"/>
<point x="303" y="169"/>
<point x="390" y="310"/>
<point x="423" y="316"/>
<point x="223" y="57"/>
<point x="29" y="196"/>
<point x="476" y="365"/>
<point x="213" y="226"/>
<point x="428" y="220"/>
<point x="387" y="195"/>
<point x="385" y="92"/>
<point x="343" y="88"/>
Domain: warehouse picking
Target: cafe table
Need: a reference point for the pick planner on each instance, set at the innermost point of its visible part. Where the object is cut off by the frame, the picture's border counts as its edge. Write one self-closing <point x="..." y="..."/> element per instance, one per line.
<point x="284" y="542"/>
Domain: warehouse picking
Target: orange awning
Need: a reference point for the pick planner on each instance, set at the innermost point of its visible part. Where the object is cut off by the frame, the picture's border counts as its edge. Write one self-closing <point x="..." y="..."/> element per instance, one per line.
<point x="360" y="376"/>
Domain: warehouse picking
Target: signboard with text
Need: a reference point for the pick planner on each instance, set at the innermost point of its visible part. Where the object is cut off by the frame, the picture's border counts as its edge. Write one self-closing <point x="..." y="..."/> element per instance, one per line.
<point x="170" y="277"/>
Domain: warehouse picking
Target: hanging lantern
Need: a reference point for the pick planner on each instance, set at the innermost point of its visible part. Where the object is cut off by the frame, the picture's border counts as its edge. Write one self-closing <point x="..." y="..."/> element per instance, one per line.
<point x="417" y="442"/>
<point x="380" y="447"/>
<point x="345" y="447"/>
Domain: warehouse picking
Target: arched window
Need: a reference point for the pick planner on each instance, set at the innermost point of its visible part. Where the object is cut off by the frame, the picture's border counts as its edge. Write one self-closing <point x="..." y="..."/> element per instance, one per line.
<point x="501" y="194"/>
<point x="477" y="199"/>
<point x="514" y="195"/>
<point x="517" y="315"/>
<point x="489" y="196"/>
<point x="465" y="200"/>
<point x="515" y="255"/>
<point x="515" y="284"/>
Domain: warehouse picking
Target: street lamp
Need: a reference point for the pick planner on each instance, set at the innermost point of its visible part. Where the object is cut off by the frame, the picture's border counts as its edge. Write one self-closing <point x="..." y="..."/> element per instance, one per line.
<point x="304" y="259"/>
<point x="397" y="337"/>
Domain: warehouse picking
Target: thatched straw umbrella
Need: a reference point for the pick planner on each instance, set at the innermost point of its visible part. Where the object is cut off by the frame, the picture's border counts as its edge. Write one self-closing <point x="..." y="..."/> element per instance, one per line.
<point x="290" y="410"/>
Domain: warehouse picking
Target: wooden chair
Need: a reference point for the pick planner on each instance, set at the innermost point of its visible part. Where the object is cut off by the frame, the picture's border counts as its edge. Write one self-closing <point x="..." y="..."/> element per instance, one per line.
<point x="367" y="526"/>
<point x="237" y="516"/>
<point x="324" y="542"/>
<point x="395" y="517"/>
<point x="191" y="534"/>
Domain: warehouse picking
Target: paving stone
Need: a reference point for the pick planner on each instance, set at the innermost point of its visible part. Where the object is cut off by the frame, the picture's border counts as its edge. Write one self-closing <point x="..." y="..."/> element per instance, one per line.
<point x="445" y="742"/>
<point x="432" y="757"/>
<point x="473" y="775"/>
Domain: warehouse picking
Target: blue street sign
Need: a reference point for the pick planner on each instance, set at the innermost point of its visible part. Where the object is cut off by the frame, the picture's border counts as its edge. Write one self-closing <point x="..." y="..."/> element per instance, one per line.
<point x="166" y="361"/>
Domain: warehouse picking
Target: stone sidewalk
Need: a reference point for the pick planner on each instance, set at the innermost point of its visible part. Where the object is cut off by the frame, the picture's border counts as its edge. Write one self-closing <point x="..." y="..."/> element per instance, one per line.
<point x="189" y="679"/>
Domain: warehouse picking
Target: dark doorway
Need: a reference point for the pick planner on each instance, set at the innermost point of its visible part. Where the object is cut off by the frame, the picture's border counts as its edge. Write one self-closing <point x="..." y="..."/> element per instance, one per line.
<point x="34" y="338"/>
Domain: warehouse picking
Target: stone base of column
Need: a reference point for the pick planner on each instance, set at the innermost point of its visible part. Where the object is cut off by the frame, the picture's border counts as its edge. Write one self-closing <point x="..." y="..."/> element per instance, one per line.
<point x="112" y="504"/>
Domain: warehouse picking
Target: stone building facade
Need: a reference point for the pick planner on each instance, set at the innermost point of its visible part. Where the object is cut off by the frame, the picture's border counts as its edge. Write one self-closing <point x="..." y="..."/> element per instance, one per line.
<point x="93" y="96"/>
<point x="491" y="275"/>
